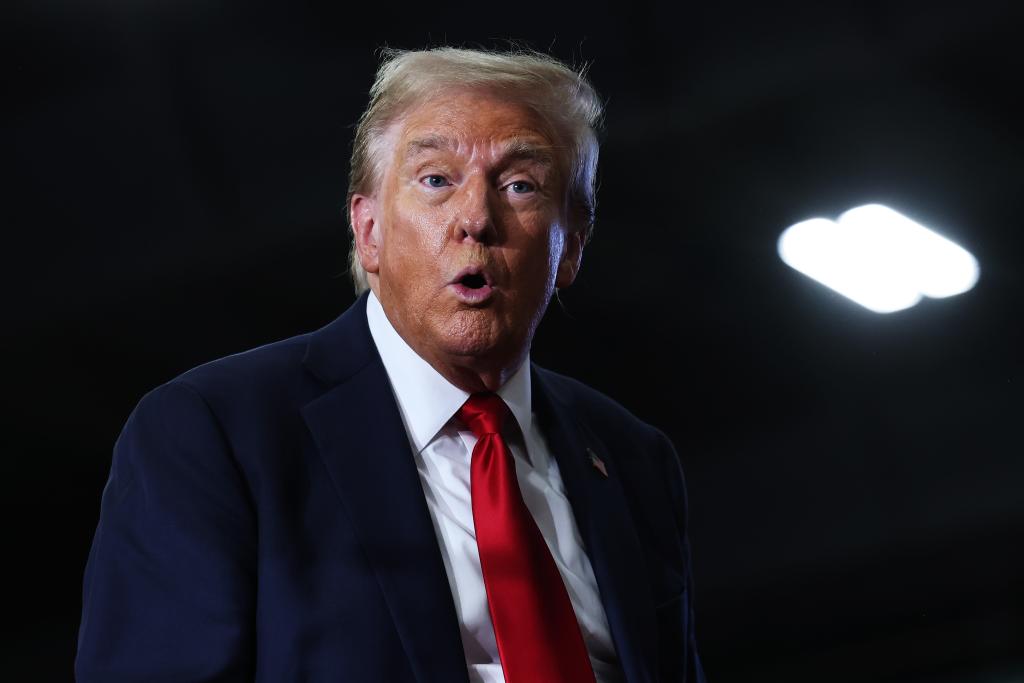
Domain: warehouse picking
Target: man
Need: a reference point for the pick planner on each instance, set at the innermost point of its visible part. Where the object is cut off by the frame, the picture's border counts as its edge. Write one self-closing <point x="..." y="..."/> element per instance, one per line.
<point x="401" y="495"/>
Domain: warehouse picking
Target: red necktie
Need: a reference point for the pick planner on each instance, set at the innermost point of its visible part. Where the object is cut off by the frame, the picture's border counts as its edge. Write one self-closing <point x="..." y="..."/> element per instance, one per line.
<point x="538" y="638"/>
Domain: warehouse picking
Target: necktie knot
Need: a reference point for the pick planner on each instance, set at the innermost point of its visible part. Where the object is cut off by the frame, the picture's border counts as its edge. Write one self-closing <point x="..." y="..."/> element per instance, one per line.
<point x="484" y="414"/>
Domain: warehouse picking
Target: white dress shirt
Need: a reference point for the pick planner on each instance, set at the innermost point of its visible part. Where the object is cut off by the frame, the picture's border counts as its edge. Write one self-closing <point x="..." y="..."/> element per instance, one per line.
<point x="442" y="448"/>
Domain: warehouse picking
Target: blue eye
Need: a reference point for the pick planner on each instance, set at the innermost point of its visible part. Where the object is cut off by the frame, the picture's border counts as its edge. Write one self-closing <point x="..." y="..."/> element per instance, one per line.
<point x="521" y="187"/>
<point x="436" y="181"/>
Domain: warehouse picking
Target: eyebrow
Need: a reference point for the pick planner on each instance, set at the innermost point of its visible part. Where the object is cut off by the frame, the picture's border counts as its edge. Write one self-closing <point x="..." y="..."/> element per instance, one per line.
<point x="418" y="146"/>
<point x="524" y="149"/>
<point x="515" y="149"/>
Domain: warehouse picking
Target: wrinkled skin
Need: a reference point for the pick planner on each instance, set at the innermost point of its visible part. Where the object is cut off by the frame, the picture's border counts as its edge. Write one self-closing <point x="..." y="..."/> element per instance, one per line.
<point x="471" y="180"/>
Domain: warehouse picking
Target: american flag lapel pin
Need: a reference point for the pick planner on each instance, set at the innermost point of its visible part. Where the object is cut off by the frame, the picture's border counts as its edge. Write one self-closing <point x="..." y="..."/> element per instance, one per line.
<point x="598" y="463"/>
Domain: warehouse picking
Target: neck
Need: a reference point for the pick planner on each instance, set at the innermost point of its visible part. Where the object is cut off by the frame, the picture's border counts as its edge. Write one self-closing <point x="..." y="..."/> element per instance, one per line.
<point x="472" y="375"/>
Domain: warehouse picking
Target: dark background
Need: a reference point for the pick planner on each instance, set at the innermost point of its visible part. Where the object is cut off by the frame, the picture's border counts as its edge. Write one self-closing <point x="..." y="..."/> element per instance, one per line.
<point x="177" y="180"/>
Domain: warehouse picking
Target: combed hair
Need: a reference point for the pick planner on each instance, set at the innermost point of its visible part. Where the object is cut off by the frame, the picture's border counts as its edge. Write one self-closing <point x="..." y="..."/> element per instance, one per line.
<point x="561" y="96"/>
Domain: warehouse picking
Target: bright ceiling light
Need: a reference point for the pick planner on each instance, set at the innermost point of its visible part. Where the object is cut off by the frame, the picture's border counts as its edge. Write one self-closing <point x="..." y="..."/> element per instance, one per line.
<point x="878" y="258"/>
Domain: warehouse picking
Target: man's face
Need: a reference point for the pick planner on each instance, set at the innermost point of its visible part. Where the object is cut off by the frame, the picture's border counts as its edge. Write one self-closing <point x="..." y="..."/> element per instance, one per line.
<point x="465" y="239"/>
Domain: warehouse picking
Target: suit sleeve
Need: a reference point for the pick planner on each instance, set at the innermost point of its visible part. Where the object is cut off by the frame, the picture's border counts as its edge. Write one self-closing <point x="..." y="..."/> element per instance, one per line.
<point x="687" y="659"/>
<point x="169" y="590"/>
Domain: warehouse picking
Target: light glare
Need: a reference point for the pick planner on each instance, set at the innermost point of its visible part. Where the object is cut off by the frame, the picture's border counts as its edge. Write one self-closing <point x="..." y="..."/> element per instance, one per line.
<point x="878" y="258"/>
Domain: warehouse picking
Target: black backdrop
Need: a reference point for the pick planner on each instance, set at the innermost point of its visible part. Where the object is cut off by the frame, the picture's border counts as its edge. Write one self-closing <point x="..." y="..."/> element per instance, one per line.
<point x="177" y="176"/>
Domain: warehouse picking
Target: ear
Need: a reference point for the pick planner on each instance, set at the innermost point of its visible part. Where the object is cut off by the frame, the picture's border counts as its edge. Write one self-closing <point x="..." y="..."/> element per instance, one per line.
<point x="572" y="256"/>
<point x="366" y="230"/>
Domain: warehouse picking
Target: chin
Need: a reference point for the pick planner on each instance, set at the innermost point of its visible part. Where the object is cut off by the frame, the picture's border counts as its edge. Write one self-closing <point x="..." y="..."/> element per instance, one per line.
<point x="477" y="346"/>
<point x="477" y="335"/>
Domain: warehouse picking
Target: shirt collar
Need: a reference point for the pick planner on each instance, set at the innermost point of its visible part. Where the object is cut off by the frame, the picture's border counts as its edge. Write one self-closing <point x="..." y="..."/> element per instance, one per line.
<point x="425" y="398"/>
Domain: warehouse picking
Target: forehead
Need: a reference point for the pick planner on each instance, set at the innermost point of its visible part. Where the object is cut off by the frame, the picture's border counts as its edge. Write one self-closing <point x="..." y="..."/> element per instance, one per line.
<point x="470" y="119"/>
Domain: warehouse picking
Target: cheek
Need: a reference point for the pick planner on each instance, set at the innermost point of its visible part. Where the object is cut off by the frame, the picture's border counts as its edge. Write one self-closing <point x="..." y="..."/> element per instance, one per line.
<point x="433" y="231"/>
<point x="556" y="245"/>
<point x="416" y="237"/>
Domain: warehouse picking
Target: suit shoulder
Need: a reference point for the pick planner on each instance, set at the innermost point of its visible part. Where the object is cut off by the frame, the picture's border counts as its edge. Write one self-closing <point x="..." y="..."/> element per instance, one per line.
<point x="270" y="367"/>
<point x="597" y="409"/>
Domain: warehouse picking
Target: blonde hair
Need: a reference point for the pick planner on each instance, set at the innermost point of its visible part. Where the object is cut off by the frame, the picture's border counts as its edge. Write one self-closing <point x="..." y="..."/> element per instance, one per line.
<point x="561" y="96"/>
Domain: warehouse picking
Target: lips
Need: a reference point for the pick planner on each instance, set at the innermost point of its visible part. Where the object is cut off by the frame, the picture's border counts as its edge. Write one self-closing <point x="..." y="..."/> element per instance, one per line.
<point x="472" y="285"/>
<point x="473" y="277"/>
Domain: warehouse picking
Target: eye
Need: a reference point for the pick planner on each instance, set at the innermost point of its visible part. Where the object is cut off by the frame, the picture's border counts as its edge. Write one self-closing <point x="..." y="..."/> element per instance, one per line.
<point x="435" y="181"/>
<point x="521" y="187"/>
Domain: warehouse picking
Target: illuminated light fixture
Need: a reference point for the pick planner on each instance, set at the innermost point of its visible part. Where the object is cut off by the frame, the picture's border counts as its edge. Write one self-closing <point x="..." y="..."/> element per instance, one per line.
<point x="878" y="258"/>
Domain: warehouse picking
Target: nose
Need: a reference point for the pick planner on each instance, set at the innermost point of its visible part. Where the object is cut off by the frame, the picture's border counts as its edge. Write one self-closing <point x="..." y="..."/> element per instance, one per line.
<point x="475" y="214"/>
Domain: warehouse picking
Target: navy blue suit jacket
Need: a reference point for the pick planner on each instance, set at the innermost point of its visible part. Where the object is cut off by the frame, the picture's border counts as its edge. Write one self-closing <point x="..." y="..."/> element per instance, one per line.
<point x="264" y="521"/>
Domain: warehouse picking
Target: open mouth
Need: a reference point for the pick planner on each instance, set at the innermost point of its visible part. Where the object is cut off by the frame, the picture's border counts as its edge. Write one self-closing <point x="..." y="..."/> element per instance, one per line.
<point x="472" y="281"/>
<point x="472" y="286"/>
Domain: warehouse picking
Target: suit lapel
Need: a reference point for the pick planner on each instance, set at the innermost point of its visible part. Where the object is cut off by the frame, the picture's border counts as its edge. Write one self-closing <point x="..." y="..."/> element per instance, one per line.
<point x="359" y="432"/>
<point x="606" y="526"/>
